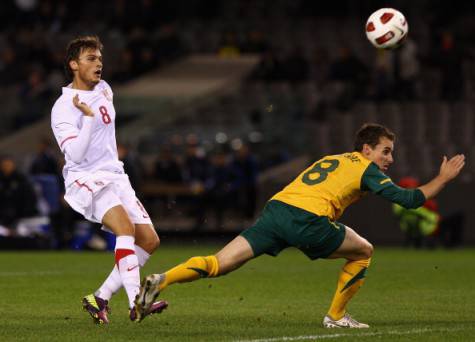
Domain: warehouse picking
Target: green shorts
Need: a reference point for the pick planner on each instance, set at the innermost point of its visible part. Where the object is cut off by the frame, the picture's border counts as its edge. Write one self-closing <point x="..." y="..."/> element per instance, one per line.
<point x="282" y="225"/>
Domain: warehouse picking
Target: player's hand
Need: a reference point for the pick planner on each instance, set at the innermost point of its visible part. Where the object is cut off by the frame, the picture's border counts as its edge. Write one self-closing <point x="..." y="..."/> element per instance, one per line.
<point x="451" y="168"/>
<point x="84" y="108"/>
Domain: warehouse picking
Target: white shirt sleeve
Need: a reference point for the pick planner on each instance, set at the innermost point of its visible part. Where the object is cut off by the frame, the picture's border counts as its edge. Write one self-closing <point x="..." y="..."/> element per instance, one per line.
<point x="76" y="148"/>
<point x="72" y="141"/>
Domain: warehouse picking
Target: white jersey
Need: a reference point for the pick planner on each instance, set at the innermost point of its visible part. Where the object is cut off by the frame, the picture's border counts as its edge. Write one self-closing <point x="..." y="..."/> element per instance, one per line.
<point x="98" y="145"/>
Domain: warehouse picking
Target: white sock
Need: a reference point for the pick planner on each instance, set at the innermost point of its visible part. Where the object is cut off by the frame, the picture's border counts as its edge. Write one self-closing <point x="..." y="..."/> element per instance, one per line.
<point x="114" y="282"/>
<point x="142" y="255"/>
<point x="128" y="265"/>
<point x="111" y="285"/>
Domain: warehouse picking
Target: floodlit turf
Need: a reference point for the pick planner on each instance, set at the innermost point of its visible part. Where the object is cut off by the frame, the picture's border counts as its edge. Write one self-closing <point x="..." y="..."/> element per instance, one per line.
<point x="409" y="295"/>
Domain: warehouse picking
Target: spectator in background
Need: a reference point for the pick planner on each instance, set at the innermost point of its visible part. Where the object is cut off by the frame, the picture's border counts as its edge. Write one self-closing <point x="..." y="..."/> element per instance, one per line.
<point x="197" y="174"/>
<point x="8" y="68"/>
<point x="246" y="169"/>
<point x="139" y="44"/>
<point x="222" y="189"/>
<point x="256" y="42"/>
<point x="256" y="118"/>
<point x="35" y="95"/>
<point x="406" y="70"/>
<point x="147" y="60"/>
<point x="269" y="68"/>
<point x="347" y="67"/>
<point x="146" y="13"/>
<point x="169" y="173"/>
<point x="167" y="169"/>
<point x="124" y="72"/>
<point x="45" y="173"/>
<point x="229" y="45"/>
<point x="296" y="67"/>
<point x="384" y="75"/>
<point x="350" y="75"/>
<point x="451" y="229"/>
<point x="119" y="15"/>
<point x="18" y="199"/>
<point x="169" y="45"/>
<point x="45" y="161"/>
<point x="132" y="165"/>
<point x="419" y="225"/>
<point x="320" y="65"/>
<point x="449" y="59"/>
<point x="197" y="166"/>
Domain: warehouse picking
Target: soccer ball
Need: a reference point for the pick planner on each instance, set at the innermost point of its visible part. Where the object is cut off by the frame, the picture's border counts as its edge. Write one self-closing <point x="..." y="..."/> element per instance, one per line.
<point x="386" y="28"/>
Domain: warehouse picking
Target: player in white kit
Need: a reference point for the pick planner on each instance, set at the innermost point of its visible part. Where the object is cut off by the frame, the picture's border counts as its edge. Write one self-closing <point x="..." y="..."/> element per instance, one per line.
<point x="96" y="185"/>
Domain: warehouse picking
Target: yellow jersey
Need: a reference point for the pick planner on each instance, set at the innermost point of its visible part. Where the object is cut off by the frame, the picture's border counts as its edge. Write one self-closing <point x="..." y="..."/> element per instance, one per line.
<point x="331" y="184"/>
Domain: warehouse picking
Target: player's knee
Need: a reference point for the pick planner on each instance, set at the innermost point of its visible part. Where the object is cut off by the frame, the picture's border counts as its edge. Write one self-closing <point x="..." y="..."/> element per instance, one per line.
<point x="367" y="250"/>
<point x="155" y="243"/>
<point x="151" y="244"/>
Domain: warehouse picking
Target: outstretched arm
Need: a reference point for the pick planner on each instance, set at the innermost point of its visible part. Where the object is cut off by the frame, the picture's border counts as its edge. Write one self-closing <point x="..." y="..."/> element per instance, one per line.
<point x="377" y="182"/>
<point x="448" y="171"/>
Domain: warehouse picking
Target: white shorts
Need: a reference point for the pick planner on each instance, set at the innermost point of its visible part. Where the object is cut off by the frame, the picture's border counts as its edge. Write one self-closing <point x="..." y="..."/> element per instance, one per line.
<point x="93" y="195"/>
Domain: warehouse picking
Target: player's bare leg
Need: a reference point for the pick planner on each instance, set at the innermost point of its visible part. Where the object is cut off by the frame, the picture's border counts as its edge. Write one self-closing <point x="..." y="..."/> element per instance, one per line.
<point x="117" y="219"/>
<point x="146" y="238"/>
<point x="232" y="256"/>
<point x="358" y="252"/>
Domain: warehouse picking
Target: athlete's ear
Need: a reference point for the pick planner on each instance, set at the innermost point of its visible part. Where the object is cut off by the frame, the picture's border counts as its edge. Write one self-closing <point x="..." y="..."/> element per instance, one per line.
<point x="366" y="149"/>
<point x="73" y="65"/>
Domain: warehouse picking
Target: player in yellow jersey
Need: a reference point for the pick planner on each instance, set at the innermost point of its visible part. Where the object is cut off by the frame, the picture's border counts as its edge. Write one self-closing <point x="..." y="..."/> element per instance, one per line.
<point x="304" y="215"/>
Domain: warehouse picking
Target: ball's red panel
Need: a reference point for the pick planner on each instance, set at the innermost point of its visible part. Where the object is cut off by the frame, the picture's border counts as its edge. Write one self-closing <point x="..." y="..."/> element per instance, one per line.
<point x="386" y="17"/>
<point x="385" y="37"/>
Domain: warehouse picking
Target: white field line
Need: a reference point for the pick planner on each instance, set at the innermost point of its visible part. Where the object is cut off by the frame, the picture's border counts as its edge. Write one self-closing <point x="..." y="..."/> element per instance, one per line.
<point x="365" y="334"/>
<point x="29" y="274"/>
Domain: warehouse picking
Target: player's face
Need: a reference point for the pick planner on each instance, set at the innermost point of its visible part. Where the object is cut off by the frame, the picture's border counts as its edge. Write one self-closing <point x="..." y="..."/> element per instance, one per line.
<point x="89" y="67"/>
<point x="381" y="154"/>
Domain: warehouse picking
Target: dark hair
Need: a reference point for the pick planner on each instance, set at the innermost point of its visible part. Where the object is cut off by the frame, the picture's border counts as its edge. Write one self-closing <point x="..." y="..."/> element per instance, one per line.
<point x="76" y="47"/>
<point x="370" y="133"/>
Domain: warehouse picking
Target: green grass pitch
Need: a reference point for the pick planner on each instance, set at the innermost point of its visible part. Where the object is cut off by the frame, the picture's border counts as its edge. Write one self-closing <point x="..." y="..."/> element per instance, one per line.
<point x="408" y="295"/>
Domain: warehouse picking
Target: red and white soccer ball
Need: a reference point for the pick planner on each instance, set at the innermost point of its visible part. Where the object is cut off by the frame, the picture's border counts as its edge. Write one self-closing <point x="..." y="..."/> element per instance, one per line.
<point x="386" y="28"/>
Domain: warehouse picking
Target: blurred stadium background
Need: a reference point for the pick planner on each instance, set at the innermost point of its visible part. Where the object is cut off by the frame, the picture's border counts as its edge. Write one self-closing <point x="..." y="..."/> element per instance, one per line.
<point x="221" y="103"/>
